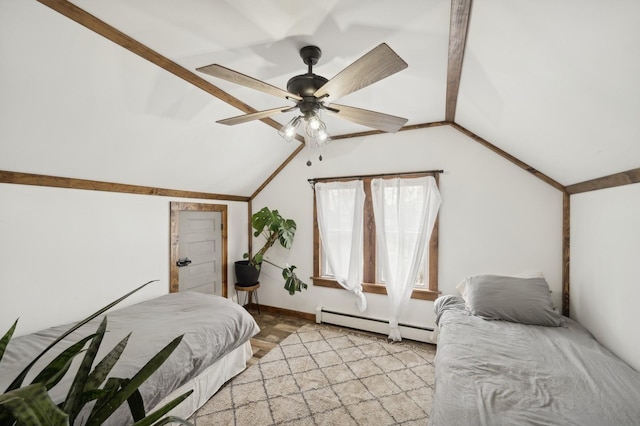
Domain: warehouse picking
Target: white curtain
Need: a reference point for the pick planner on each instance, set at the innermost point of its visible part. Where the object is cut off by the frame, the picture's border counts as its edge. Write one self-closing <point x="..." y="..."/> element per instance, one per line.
<point x="340" y="208"/>
<point x="405" y="211"/>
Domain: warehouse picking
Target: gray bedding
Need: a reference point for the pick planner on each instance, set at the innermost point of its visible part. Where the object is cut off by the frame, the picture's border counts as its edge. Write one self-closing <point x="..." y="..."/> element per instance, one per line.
<point x="212" y="327"/>
<point x="504" y="373"/>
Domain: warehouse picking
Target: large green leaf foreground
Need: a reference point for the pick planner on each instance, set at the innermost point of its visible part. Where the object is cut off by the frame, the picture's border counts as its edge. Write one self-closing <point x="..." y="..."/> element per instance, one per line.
<point x="31" y="404"/>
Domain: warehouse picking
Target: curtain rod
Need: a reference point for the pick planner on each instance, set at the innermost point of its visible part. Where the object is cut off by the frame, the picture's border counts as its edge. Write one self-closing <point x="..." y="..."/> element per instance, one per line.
<point x="424" y="172"/>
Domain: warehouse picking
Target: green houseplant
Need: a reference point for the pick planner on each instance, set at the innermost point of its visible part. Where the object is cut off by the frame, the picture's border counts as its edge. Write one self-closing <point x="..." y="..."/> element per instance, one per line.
<point x="274" y="228"/>
<point x="32" y="405"/>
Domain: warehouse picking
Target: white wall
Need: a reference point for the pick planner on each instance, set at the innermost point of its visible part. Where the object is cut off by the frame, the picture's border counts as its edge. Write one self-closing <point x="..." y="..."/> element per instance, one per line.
<point x="605" y="267"/>
<point x="65" y="253"/>
<point x="494" y="218"/>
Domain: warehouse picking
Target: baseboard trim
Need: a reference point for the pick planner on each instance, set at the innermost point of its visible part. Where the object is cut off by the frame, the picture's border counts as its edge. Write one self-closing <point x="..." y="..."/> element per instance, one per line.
<point x="284" y="312"/>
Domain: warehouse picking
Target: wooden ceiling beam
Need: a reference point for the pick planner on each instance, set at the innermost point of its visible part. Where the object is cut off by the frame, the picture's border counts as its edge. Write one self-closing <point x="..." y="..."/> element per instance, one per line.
<point x="94" y="185"/>
<point x="460" y="11"/>
<point x="509" y="157"/>
<point x="617" y="179"/>
<point x="379" y="132"/>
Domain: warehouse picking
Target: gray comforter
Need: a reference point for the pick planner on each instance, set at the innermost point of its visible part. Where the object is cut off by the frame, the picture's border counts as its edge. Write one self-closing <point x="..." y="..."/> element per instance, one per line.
<point x="212" y="327"/>
<point x="503" y="373"/>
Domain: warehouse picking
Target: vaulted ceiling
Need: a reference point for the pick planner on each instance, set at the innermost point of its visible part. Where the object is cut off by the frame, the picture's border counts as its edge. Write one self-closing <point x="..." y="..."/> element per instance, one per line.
<point x="555" y="84"/>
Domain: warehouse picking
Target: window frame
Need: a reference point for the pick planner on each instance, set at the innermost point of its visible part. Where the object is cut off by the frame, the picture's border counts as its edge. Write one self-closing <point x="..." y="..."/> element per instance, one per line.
<point x="369" y="284"/>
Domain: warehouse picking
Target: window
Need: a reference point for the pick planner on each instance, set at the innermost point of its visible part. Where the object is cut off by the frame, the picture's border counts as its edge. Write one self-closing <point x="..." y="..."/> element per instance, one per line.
<point x="426" y="286"/>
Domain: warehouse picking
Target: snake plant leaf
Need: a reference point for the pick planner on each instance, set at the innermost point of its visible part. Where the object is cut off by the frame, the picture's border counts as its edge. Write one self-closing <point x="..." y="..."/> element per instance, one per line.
<point x="136" y="406"/>
<point x="156" y="415"/>
<point x="110" y="388"/>
<point x="32" y="405"/>
<point x="92" y="394"/>
<point x="73" y="403"/>
<point x="18" y="380"/>
<point x="103" y="368"/>
<point x="56" y="369"/>
<point x="101" y="412"/>
<point x="5" y="339"/>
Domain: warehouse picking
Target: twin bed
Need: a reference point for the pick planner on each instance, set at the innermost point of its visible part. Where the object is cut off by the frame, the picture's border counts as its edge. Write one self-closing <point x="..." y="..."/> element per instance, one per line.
<point x="505" y="357"/>
<point x="215" y="347"/>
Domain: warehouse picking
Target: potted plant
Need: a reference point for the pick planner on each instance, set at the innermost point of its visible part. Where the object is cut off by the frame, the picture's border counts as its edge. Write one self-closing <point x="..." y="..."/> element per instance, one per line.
<point x="274" y="228"/>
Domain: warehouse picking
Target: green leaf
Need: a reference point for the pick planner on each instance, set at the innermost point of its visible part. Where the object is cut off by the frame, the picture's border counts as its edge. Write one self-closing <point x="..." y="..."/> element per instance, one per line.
<point x="5" y="339"/>
<point x="111" y="388"/>
<point x="261" y="219"/>
<point x="276" y="222"/>
<point x="74" y="401"/>
<point x="18" y="380"/>
<point x="99" y="415"/>
<point x="152" y="417"/>
<point x="136" y="406"/>
<point x="92" y="394"/>
<point x="286" y="232"/>
<point x="31" y="405"/>
<point x="56" y="369"/>
<point x="292" y="282"/>
<point x="102" y="370"/>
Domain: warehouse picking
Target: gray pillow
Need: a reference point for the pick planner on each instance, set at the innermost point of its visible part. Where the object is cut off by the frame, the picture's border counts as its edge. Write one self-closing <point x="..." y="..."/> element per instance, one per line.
<point x="523" y="300"/>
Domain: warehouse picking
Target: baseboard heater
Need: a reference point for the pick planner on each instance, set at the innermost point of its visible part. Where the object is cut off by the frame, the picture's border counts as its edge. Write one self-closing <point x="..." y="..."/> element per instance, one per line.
<point x="375" y="325"/>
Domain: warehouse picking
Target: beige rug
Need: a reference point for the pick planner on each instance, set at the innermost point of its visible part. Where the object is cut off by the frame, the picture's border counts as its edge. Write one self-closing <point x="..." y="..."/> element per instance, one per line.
<point x="320" y="376"/>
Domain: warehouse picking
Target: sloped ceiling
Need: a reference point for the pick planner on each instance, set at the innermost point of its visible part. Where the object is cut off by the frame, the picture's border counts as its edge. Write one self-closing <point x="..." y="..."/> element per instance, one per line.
<point x="553" y="83"/>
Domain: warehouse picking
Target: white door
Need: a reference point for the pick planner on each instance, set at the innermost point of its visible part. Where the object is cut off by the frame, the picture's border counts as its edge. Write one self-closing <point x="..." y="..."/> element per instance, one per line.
<point x="200" y="251"/>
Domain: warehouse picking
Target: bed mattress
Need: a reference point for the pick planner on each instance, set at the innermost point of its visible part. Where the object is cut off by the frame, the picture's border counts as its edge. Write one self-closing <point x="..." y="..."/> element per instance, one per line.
<point x="505" y="373"/>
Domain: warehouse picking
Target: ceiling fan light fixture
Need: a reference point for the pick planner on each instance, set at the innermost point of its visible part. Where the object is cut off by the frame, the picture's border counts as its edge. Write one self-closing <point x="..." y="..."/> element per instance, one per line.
<point x="289" y="130"/>
<point x="314" y="124"/>
<point x="323" y="138"/>
<point x="316" y="129"/>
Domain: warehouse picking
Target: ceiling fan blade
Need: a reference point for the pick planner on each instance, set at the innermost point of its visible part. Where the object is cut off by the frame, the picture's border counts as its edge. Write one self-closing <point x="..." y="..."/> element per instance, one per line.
<point x="254" y="116"/>
<point x="375" y="120"/>
<point x="219" y="71"/>
<point x="379" y="63"/>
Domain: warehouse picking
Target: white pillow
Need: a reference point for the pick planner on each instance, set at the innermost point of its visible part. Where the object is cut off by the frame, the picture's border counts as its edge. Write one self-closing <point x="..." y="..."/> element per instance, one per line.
<point x="463" y="284"/>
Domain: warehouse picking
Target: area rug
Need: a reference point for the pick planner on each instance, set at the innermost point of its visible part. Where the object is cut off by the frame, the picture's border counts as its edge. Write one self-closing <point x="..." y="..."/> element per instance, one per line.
<point x="323" y="376"/>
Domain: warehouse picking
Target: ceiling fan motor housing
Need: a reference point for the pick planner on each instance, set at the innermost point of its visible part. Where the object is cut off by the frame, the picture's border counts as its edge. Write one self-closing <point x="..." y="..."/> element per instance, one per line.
<point x="305" y="84"/>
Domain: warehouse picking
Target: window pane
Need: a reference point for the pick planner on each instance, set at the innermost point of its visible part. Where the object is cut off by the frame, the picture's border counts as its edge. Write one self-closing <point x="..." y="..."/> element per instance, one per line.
<point x="422" y="279"/>
<point x="409" y="197"/>
<point x="339" y="228"/>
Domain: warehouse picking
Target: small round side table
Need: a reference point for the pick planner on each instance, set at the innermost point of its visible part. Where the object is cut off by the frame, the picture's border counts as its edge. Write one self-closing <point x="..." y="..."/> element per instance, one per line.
<point x="251" y="291"/>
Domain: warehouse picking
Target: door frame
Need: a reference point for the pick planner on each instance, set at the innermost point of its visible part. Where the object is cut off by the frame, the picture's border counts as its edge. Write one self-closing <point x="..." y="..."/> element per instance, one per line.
<point x="175" y="209"/>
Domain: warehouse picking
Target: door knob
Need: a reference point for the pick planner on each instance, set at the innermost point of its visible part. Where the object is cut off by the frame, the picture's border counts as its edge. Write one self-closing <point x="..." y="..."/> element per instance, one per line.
<point x="183" y="262"/>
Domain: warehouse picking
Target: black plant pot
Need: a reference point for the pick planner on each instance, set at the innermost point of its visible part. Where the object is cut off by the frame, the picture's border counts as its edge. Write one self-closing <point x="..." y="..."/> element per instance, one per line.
<point x="246" y="274"/>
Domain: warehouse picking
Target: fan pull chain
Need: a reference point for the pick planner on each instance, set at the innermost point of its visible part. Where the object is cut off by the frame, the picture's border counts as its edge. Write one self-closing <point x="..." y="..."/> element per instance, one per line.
<point x="308" y="144"/>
